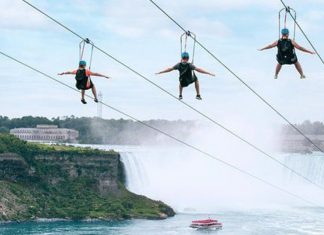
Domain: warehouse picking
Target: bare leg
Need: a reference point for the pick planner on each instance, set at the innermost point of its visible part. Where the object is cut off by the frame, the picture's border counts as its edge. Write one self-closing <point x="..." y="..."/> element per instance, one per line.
<point x="180" y="90"/>
<point x="94" y="92"/>
<point x="299" y="69"/>
<point x="197" y="87"/>
<point x="82" y="97"/>
<point x="82" y="94"/>
<point x="278" y="68"/>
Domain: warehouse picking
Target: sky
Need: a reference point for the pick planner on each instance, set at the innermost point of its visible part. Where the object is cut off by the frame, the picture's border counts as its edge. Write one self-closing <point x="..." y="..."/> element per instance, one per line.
<point x="138" y="34"/>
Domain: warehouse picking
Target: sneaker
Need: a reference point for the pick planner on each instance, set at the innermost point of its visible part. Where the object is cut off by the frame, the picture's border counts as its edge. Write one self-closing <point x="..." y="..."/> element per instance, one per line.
<point x="83" y="101"/>
<point x="276" y="76"/>
<point x="302" y="76"/>
<point x="198" y="97"/>
<point x="180" y="97"/>
<point x="96" y="100"/>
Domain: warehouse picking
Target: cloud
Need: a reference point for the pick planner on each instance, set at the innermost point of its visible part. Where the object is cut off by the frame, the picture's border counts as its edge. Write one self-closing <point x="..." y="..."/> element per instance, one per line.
<point x="135" y="31"/>
<point x="215" y="6"/>
<point x="17" y="15"/>
<point x="210" y="28"/>
<point x="122" y="19"/>
<point x="311" y="21"/>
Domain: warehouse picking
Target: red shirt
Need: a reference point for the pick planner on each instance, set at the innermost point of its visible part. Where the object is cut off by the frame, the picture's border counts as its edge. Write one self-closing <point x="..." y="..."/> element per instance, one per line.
<point x="88" y="72"/>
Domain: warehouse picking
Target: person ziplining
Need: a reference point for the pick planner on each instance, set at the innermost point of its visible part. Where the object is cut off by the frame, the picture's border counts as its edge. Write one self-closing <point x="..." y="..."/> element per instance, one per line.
<point x="286" y="47"/>
<point x="83" y="75"/>
<point x="186" y="69"/>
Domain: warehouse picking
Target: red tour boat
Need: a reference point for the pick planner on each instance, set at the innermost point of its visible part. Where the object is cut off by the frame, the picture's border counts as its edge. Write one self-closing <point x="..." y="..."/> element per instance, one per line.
<point x="208" y="223"/>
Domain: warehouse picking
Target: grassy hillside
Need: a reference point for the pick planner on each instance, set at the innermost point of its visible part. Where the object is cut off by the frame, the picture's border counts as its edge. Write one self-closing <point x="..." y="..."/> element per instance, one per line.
<point x="39" y="181"/>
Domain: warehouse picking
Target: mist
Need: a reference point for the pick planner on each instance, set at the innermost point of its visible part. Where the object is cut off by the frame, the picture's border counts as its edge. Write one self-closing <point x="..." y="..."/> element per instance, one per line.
<point x="191" y="182"/>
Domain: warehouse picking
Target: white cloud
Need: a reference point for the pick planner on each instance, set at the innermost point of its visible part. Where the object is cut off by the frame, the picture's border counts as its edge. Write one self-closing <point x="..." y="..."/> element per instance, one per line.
<point x="312" y="21"/>
<point x="215" y="6"/>
<point x="17" y="15"/>
<point x="135" y="31"/>
<point x="123" y="19"/>
<point x="205" y="27"/>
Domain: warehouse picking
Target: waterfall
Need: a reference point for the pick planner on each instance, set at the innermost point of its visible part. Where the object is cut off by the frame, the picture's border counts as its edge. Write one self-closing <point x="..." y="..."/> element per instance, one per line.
<point x="191" y="182"/>
<point x="312" y="166"/>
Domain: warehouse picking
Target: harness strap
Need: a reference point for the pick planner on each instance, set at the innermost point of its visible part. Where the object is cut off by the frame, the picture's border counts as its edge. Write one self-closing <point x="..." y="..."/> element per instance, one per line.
<point x="183" y="45"/>
<point x="81" y="49"/>
<point x="286" y="12"/>
<point x="184" y="42"/>
<point x="193" y="36"/>
<point x="183" y="72"/>
<point x="81" y="53"/>
<point x="292" y="12"/>
<point x="91" y="54"/>
<point x="279" y="15"/>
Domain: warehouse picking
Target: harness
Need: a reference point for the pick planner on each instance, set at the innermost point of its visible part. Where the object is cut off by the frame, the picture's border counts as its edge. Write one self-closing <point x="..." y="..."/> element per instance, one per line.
<point x="84" y="81"/>
<point x="287" y="10"/>
<point x="286" y="52"/>
<point x="187" y="75"/>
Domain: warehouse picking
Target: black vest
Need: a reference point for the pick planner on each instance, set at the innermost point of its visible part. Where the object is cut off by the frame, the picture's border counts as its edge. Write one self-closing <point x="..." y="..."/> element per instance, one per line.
<point x="286" y="52"/>
<point x="187" y="75"/>
<point x="81" y="75"/>
<point x="81" y="79"/>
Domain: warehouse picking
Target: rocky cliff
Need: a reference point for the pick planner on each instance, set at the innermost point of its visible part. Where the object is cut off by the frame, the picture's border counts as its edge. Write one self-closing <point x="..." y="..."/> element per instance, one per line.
<point x="38" y="181"/>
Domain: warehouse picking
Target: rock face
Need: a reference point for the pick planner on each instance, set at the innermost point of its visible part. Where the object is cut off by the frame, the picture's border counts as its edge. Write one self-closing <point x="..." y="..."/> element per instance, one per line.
<point x="102" y="169"/>
<point x="69" y="183"/>
<point x="13" y="167"/>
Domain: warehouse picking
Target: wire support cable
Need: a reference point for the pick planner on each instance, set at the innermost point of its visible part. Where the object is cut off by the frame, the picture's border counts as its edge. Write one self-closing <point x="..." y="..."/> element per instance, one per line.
<point x="241" y="80"/>
<point x="303" y="32"/>
<point x="184" y="103"/>
<point x="206" y="154"/>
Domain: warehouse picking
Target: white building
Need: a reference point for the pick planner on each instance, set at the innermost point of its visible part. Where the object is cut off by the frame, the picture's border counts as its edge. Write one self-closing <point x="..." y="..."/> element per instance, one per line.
<point x="46" y="133"/>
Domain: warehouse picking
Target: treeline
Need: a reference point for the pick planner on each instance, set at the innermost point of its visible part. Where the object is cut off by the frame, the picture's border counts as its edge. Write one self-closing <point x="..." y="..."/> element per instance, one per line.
<point x="307" y="127"/>
<point x="106" y="131"/>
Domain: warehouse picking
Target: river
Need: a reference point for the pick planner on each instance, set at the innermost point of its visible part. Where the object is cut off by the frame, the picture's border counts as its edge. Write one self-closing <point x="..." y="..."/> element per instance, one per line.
<point x="199" y="188"/>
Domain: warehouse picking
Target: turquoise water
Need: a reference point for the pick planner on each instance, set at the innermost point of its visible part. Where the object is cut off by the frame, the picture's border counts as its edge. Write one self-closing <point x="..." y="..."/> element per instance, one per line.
<point x="299" y="221"/>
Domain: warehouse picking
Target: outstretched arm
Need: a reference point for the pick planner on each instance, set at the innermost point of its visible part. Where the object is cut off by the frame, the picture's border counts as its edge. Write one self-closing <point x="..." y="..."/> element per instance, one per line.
<point x="204" y="71"/>
<point x="98" y="75"/>
<point x="302" y="48"/>
<point x="269" y="46"/>
<point x="166" y="70"/>
<point x="64" y="73"/>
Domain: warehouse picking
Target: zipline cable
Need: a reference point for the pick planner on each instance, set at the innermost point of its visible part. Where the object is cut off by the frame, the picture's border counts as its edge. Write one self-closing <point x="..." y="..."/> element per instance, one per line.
<point x="166" y="134"/>
<point x="240" y="79"/>
<point x="184" y="103"/>
<point x="300" y="28"/>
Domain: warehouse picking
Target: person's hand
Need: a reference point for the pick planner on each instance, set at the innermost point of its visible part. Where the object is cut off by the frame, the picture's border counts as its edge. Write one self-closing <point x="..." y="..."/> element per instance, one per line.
<point x="60" y="73"/>
<point x="313" y="52"/>
<point x="211" y="74"/>
<point x="107" y="77"/>
<point x="260" y="49"/>
<point x="157" y="73"/>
